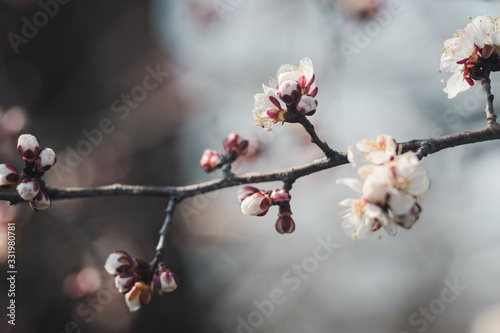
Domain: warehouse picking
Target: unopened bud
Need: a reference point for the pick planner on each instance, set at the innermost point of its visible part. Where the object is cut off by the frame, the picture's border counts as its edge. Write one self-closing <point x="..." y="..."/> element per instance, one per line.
<point x="285" y="223"/>
<point x="28" y="189"/>
<point x="125" y="281"/>
<point x="138" y="296"/>
<point x="245" y="192"/>
<point x="289" y="91"/>
<point x="210" y="160"/>
<point x="234" y="143"/>
<point x="164" y="281"/>
<point x="41" y="201"/>
<point x="281" y="197"/>
<point x="9" y="176"/>
<point x="256" y="205"/>
<point x="28" y="146"/>
<point x="46" y="159"/>
<point x="307" y="105"/>
<point x="120" y="261"/>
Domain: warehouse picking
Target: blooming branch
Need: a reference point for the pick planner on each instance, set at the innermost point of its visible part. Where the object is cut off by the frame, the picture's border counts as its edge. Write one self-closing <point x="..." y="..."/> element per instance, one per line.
<point x="422" y="147"/>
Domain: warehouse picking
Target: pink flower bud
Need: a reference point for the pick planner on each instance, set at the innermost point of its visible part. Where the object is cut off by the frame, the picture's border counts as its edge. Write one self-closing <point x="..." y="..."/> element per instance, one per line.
<point x="285" y="223"/>
<point x="125" y="281"/>
<point x="289" y="91"/>
<point x="28" y="146"/>
<point x="120" y="261"/>
<point x="210" y="160"/>
<point x="28" y="189"/>
<point x="138" y="296"/>
<point x="9" y="176"/>
<point x="256" y="205"/>
<point x="233" y="142"/>
<point x="164" y="281"/>
<point x="307" y="105"/>
<point x="41" y="201"/>
<point x="245" y="192"/>
<point x="46" y="159"/>
<point x="281" y="197"/>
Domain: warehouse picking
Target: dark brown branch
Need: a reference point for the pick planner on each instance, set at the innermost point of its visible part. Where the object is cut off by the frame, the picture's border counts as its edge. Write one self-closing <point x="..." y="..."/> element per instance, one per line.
<point x="421" y="147"/>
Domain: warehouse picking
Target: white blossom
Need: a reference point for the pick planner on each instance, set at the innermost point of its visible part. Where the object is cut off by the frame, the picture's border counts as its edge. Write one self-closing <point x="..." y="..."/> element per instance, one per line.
<point x="361" y="219"/>
<point x="268" y="110"/>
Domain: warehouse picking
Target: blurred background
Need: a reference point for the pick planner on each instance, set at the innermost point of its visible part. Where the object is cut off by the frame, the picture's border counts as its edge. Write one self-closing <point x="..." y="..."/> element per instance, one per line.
<point x="134" y="91"/>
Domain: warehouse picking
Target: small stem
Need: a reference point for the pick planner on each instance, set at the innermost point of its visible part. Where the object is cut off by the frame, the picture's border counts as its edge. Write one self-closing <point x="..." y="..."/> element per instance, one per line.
<point x="490" y="114"/>
<point x="167" y="224"/>
<point x="309" y="127"/>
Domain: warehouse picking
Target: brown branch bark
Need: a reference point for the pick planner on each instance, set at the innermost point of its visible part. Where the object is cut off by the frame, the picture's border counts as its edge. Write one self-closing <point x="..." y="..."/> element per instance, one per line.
<point x="422" y="147"/>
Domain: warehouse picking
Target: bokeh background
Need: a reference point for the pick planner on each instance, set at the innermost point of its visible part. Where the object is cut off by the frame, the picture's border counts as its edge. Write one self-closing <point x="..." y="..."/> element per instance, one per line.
<point x="376" y="64"/>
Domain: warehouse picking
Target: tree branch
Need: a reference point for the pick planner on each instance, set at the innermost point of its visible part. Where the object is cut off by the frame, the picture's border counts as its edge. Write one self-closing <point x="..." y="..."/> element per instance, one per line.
<point x="421" y="147"/>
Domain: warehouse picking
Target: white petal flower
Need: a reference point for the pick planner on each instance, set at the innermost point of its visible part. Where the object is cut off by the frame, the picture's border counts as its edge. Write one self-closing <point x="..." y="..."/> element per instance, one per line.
<point x="411" y="177"/>
<point x="268" y="110"/>
<point x="462" y="52"/>
<point x="353" y="183"/>
<point x="362" y="219"/>
<point x="376" y="152"/>
<point x="483" y="30"/>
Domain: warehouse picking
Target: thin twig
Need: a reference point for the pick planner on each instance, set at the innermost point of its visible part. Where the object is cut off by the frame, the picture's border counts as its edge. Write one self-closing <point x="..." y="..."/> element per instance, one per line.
<point x="491" y="117"/>
<point x="308" y="126"/>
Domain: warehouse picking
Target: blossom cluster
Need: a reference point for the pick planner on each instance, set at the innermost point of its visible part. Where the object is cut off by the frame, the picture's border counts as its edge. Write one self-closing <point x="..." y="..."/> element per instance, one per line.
<point x="234" y="146"/>
<point x="135" y="278"/>
<point x="29" y="184"/>
<point x="292" y="91"/>
<point x="255" y="202"/>
<point x="471" y="54"/>
<point x="390" y="190"/>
